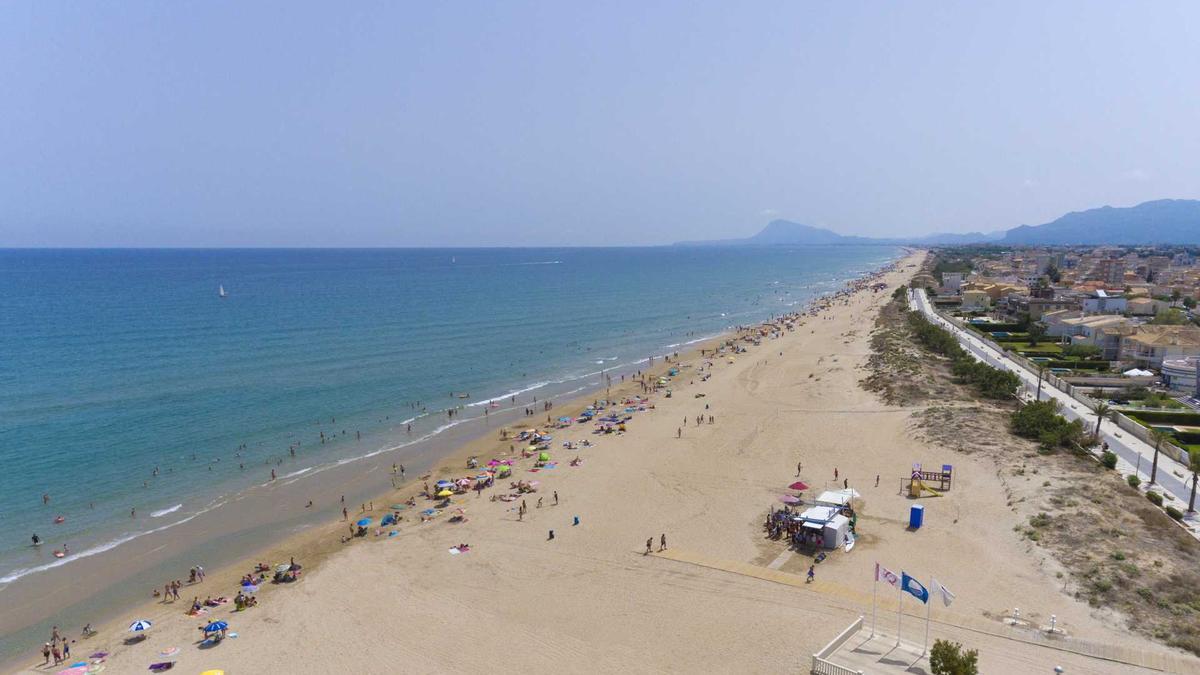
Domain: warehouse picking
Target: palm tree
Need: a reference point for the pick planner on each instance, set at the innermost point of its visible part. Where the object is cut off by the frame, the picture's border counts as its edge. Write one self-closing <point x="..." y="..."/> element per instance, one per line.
<point x="1041" y="369"/>
<point x="1159" y="437"/>
<point x="1194" y="465"/>
<point x="1102" y="410"/>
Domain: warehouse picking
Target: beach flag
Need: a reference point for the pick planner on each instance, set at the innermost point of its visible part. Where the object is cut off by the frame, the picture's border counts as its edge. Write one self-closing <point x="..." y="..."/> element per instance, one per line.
<point x="947" y="596"/>
<point x="913" y="587"/>
<point x="884" y="574"/>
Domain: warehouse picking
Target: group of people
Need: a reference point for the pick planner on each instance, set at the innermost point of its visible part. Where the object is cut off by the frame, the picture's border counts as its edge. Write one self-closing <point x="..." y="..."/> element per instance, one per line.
<point x="59" y="647"/>
<point x="170" y="589"/>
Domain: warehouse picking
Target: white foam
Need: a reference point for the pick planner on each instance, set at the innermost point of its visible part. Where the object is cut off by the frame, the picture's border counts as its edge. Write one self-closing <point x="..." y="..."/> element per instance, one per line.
<point x="511" y="394"/>
<point x="162" y="512"/>
<point x="87" y="553"/>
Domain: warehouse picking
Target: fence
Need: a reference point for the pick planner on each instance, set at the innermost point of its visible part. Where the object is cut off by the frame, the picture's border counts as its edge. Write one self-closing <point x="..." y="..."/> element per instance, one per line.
<point x="1143" y="434"/>
<point x="821" y="666"/>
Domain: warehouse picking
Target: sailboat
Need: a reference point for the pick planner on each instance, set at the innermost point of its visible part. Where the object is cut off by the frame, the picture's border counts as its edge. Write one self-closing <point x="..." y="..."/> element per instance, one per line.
<point x="221" y="292"/>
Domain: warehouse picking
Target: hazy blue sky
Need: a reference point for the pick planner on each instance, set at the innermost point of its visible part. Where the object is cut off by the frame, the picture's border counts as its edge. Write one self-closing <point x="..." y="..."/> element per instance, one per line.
<point x="398" y="124"/>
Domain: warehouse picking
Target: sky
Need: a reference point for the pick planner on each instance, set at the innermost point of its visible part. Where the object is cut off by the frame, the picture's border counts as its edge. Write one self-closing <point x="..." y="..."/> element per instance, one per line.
<point x="569" y="123"/>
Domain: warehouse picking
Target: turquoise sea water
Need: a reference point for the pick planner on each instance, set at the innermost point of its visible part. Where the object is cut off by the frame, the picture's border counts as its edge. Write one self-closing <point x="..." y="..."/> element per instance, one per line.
<point x="115" y="362"/>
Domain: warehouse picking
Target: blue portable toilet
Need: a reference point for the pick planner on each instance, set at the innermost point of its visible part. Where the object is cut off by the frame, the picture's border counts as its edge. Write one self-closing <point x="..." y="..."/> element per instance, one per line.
<point x="916" y="516"/>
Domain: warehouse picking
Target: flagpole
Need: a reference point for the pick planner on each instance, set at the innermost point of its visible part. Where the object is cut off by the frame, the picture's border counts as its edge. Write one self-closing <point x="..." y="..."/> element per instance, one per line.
<point x="874" y="594"/>
<point x="899" y="613"/>
<point x="928" y="610"/>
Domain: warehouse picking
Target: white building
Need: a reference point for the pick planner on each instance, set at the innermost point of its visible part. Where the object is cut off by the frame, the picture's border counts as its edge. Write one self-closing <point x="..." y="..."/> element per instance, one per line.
<point x="1182" y="375"/>
<point x="1101" y="302"/>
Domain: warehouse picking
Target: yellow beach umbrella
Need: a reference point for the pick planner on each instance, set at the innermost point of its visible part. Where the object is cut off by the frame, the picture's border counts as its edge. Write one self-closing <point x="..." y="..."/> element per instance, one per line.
<point x="213" y="672"/>
<point x="445" y="493"/>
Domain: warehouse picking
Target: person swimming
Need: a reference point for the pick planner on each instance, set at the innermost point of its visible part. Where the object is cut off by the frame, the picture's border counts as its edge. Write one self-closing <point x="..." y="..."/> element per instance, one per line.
<point x="37" y="541"/>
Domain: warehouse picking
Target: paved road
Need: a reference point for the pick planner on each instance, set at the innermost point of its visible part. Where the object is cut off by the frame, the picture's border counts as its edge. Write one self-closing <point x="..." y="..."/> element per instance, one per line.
<point x="1137" y="453"/>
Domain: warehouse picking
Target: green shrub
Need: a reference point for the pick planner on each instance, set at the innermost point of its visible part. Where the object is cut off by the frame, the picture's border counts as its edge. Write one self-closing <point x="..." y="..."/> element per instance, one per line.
<point x="1081" y="351"/>
<point x="1155" y="498"/>
<point x="1109" y="459"/>
<point x="1163" y="417"/>
<point x="1133" y="480"/>
<point x="988" y="381"/>
<point x="1174" y="512"/>
<point x="949" y="658"/>
<point x="1040" y="421"/>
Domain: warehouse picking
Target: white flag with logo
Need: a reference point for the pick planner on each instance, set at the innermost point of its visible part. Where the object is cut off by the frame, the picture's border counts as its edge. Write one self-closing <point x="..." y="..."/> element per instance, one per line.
<point x="884" y="574"/>
<point x="947" y="596"/>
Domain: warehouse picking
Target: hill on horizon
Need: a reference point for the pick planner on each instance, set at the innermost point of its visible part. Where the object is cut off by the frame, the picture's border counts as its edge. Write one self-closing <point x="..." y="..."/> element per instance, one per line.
<point x="1163" y="221"/>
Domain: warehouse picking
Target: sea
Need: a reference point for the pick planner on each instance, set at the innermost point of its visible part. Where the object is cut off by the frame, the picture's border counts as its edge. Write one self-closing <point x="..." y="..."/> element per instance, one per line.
<point x="134" y="395"/>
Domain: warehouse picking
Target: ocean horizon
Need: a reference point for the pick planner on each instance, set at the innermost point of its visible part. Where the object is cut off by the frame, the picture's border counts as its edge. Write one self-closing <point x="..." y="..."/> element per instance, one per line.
<point x="144" y="387"/>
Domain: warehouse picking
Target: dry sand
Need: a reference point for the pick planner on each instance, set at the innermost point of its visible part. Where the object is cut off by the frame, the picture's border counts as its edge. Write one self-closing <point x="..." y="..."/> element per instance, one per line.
<point x="590" y="601"/>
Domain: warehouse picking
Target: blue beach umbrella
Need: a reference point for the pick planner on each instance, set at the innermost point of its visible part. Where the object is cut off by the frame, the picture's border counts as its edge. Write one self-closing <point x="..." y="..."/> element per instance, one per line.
<point x="216" y="626"/>
<point x="139" y="626"/>
<point x="364" y="522"/>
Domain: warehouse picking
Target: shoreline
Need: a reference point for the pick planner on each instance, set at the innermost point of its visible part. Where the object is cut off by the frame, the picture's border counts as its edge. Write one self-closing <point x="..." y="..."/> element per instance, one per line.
<point x="307" y="532"/>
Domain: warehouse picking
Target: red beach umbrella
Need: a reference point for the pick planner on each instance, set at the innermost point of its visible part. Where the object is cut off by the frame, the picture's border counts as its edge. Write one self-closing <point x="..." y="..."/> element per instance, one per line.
<point x="798" y="485"/>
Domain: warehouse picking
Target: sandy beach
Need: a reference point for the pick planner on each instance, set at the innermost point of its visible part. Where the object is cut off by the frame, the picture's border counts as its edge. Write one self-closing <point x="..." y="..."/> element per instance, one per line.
<point x="589" y="599"/>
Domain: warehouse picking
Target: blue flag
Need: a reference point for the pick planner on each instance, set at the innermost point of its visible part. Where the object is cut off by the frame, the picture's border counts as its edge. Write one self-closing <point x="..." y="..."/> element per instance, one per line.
<point x="914" y="587"/>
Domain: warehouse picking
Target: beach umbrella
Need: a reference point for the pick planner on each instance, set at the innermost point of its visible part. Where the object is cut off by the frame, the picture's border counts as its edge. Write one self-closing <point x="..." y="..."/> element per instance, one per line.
<point x="788" y="499"/>
<point x="798" y="485"/>
<point x="544" y="457"/>
<point x="250" y="588"/>
<point x="445" y="493"/>
<point x="295" y="567"/>
<point x="213" y="672"/>
<point x="170" y="651"/>
<point x="140" y="625"/>
<point x="398" y="507"/>
<point x="364" y="522"/>
<point x="282" y="567"/>
<point x="216" y="626"/>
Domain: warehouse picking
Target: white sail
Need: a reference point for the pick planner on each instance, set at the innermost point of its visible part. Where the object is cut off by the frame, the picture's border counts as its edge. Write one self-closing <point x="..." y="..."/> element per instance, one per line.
<point x="221" y="291"/>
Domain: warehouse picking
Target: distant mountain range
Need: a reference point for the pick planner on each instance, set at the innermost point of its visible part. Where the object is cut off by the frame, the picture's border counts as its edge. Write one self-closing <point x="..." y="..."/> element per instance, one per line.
<point x="1165" y="221"/>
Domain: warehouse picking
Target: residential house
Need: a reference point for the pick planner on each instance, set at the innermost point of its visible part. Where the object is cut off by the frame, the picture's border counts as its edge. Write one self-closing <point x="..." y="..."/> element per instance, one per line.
<point x="1150" y="345"/>
<point x="1102" y="302"/>
<point x="975" y="300"/>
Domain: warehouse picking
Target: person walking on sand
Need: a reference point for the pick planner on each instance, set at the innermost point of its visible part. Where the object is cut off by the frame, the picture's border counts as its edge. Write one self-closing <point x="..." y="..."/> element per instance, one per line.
<point x="679" y="433"/>
<point x="556" y="497"/>
<point x="835" y="473"/>
<point x="876" y="480"/>
<point x="662" y="542"/>
<point x="649" y="545"/>
<point x="846" y="483"/>
<point x="345" y="514"/>
<point x="811" y="575"/>
<point x="799" y="468"/>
